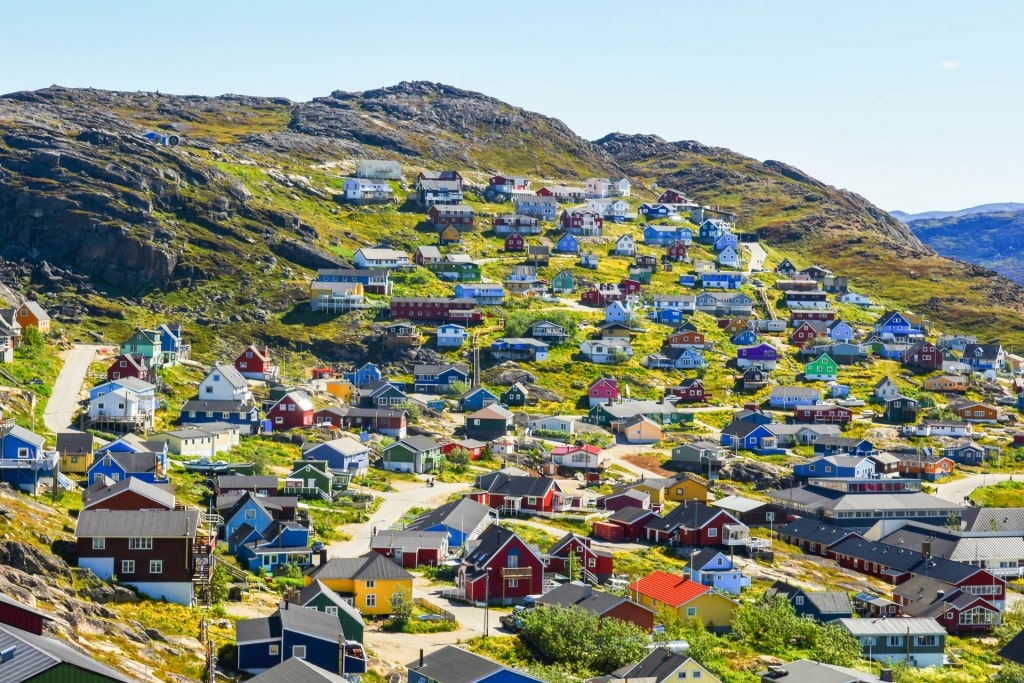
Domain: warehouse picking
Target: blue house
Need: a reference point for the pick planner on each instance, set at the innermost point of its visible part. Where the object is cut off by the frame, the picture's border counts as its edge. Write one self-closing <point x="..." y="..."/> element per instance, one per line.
<point x="893" y="324"/>
<point x="568" y="244"/>
<point x="484" y="294"/>
<point x="841" y="331"/>
<point x="745" y="338"/>
<point x="688" y="280"/>
<point x="307" y="634"/>
<point x="438" y="378"/>
<point x="367" y="374"/>
<point x="659" y="235"/>
<point x="173" y="348"/>
<point x="727" y="240"/>
<point x="844" y="466"/>
<point x="477" y="398"/>
<point x="247" y="517"/>
<point x="463" y="519"/>
<point x="711" y="229"/>
<point x="117" y="465"/>
<point x="654" y="210"/>
<point x="824" y="606"/>
<point x="280" y="543"/>
<point x="24" y="460"/>
<point x="452" y="664"/>
<point x="784" y="398"/>
<point x="843" y="445"/>
<point x="721" y="280"/>
<point x="343" y="455"/>
<point x="451" y="336"/>
<point x="712" y="567"/>
<point x="748" y="436"/>
<point x="667" y="316"/>
<point x="245" y="415"/>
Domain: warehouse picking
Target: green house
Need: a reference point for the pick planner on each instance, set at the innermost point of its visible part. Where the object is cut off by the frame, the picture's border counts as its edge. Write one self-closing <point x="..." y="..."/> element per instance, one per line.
<point x="309" y="479"/>
<point x="641" y="275"/>
<point x="823" y="368"/>
<point x="417" y="454"/>
<point x="563" y="282"/>
<point x="145" y="343"/>
<point x="661" y="412"/>
<point x="321" y="598"/>
<point x="515" y="395"/>
<point x="455" y="272"/>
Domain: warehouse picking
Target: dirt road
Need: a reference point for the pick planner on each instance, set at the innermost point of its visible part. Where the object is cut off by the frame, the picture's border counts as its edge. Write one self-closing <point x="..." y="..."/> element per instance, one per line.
<point x="63" y="403"/>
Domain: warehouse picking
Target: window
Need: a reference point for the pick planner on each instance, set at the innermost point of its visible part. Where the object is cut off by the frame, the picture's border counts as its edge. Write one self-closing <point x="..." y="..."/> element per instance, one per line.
<point x="798" y="600"/>
<point x="712" y="532"/>
<point x="22" y="452"/>
<point x="274" y="650"/>
<point x="681" y="675"/>
<point x="370" y="583"/>
<point x="140" y="543"/>
<point x="156" y="566"/>
<point x="99" y="543"/>
<point x="691" y="611"/>
<point x="250" y="514"/>
<point x="927" y="640"/>
<point x="299" y="651"/>
<point x="894" y="641"/>
<point x="209" y="389"/>
<point x="513" y="583"/>
<point x="695" y="674"/>
<point x="279" y="420"/>
<point x="592" y="562"/>
<point x="331" y="609"/>
<point x="371" y="600"/>
<point x="127" y="566"/>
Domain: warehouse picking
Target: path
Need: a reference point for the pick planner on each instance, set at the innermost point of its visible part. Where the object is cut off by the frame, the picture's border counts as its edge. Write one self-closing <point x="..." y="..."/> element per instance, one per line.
<point x="757" y="256"/>
<point x="956" y="491"/>
<point x="63" y="402"/>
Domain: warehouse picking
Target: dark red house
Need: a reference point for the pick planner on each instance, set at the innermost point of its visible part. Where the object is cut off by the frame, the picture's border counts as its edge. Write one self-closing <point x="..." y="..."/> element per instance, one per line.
<point x="515" y="242"/>
<point x="254" y="363"/>
<point x="411" y="549"/>
<point x="923" y="356"/>
<point x="510" y="494"/>
<point x="580" y="220"/>
<point x="624" y="499"/>
<point x="595" y="565"/>
<point x="629" y="286"/>
<point x="807" y="331"/>
<point x="821" y="315"/>
<point x="131" y="493"/>
<point x="672" y="197"/>
<point x="678" y="251"/>
<point x="128" y="365"/>
<point x="501" y="568"/>
<point x="630" y="521"/>
<point x="690" y="391"/>
<point x="20" y="615"/>
<point x="822" y="413"/>
<point x="816" y="538"/>
<point x="293" y="410"/>
<point x="460" y="215"/>
<point x="697" y="525"/>
<point x="604" y="605"/>
<point x="601" y="295"/>
<point x="435" y="309"/>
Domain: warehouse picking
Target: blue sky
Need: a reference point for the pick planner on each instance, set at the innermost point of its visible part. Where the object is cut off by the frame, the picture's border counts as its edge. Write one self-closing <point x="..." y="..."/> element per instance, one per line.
<point x="915" y="105"/>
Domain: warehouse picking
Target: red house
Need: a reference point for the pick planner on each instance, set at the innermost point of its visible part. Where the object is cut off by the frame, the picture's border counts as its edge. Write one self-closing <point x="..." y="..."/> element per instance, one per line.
<point x="411" y="549"/>
<point x="604" y="605"/>
<point x="630" y="287"/>
<point x="924" y="356"/>
<point x="646" y="261"/>
<point x="20" y="615"/>
<point x="292" y="410"/>
<point x="601" y="295"/>
<point x="510" y="494"/>
<point x="624" y="499"/>
<point x="822" y="413"/>
<point x="500" y="568"/>
<point x="515" y="242"/>
<point x="807" y="331"/>
<point x="460" y="215"/>
<point x="690" y="391"/>
<point x="254" y="363"/>
<point x="435" y="309"/>
<point x="820" y="315"/>
<point x="678" y="251"/>
<point x="585" y="221"/>
<point x="472" y="446"/>
<point x="603" y="390"/>
<point x="131" y="493"/>
<point x="698" y="525"/>
<point x="672" y="197"/>
<point x="596" y="565"/>
<point x="814" y="537"/>
<point x="128" y="365"/>
<point x="626" y="524"/>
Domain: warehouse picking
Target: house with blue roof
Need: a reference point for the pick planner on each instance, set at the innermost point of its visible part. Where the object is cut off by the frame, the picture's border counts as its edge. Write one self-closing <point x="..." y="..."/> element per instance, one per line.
<point x="831" y="466"/>
<point x="24" y="460"/>
<point x="659" y="235"/>
<point x="667" y="316"/>
<point x="727" y="240"/>
<point x="745" y="338"/>
<point x="651" y="210"/>
<point x="688" y="280"/>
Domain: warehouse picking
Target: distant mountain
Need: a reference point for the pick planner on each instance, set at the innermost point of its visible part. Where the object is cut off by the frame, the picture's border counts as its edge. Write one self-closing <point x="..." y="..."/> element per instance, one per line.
<point x="1003" y="207"/>
<point x="993" y="239"/>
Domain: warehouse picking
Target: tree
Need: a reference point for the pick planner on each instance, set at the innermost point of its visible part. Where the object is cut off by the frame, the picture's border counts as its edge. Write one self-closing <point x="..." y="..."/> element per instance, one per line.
<point x="835" y="645"/>
<point x="458" y="458"/>
<point x="582" y="642"/>
<point x="401" y="606"/>
<point x="770" y="624"/>
<point x="31" y="342"/>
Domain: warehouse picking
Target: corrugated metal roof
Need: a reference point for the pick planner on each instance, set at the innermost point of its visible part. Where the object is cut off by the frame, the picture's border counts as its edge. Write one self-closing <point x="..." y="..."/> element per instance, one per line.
<point x="137" y="523"/>
<point x="898" y="626"/>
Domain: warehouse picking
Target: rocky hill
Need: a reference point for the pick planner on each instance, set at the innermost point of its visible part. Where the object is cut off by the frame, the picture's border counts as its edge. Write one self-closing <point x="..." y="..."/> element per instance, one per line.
<point x="226" y="227"/>
<point x="990" y="239"/>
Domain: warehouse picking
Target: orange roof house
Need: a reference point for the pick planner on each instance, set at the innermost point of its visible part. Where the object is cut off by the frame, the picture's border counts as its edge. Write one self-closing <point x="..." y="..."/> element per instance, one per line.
<point x="690" y="599"/>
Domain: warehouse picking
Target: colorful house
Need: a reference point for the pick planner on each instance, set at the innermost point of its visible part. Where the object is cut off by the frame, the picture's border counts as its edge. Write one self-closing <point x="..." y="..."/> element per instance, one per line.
<point x="418" y="454"/>
<point x="291" y="411"/>
<point x="690" y="599"/>
<point x="714" y="568"/>
<point x="499" y="568"/>
<point x="370" y="580"/>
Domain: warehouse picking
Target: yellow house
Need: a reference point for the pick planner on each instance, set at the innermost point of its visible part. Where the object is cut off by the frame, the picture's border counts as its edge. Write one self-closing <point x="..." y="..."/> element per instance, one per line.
<point x="665" y="665"/>
<point x="341" y="388"/>
<point x="955" y="383"/>
<point x="369" y="581"/>
<point x="688" y="487"/>
<point x="75" y="450"/>
<point x="690" y="599"/>
<point x="654" y="487"/>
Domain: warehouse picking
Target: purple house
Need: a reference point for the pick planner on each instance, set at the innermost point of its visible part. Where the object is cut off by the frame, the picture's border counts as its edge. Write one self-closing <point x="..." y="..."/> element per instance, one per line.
<point x="764" y="354"/>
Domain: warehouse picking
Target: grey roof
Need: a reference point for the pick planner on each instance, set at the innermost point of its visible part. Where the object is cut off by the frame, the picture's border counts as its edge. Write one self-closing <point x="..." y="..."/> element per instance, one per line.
<point x="808" y="671"/>
<point x="346" y="445"/>
<point x="246" y="481"/>
<point x="74" y="443"/>
<point x="983" y="519"/>
<point x="658" y="665"/>
<point x="157" y="494"/>
<point x="295" y="670"/>
<point x="299" y="620"/>
<point x="27" y="436"/>
<point x="895" y="627"/>
<point x="811" y="496"/>
<point x="452" y="664"/>
<point x="420" y="443"/>
<point x="36" y="310"/>
<point x="409" y="541"/>
<point x="738" y="504"/>
<point x="317" y="587"/>
<point x="462" y="515"/>
<point x="629" y="514"/>
<point x="505" y="485"/>
<point x="231" y="375"/>
<point x="631" y="408"/>
<point x="140" y="523"/>
<point x="34" y="655"/>
<point x="830" y="602"/>
<point x="982" y="545"/>
<point x="369" y="567"/>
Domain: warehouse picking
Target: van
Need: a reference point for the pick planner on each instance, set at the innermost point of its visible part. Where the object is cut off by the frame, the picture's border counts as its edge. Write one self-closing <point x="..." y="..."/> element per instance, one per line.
<point x="618" y="584"/>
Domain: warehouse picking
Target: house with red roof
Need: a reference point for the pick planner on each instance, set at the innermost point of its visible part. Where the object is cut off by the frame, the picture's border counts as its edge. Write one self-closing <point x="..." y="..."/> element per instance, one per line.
<point x="294" y="409"/>
<point x="690" y="599"/>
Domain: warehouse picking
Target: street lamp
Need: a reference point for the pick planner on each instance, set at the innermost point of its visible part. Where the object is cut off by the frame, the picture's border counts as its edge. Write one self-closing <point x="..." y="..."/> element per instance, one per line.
<point x="487" y="603"/>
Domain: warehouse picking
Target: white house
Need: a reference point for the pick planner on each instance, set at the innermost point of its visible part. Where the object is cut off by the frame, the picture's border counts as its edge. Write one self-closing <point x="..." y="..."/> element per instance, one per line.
<point x="380" y="257"/>
<point x="614" y="209"/>
<point x="625" y="246"/>
<point x="225" y="383"/>
<point x="606" y="350"/>
<point x="598" y="187"/>
<point x="364" y="191"/>
<point x="554" y="423"/>
<point x="855" y="298"/>
<point x="729" y="257"/>
<point x="123" y="406"/>
<point x="189" y="442"/>
<point x="451" y="336"/>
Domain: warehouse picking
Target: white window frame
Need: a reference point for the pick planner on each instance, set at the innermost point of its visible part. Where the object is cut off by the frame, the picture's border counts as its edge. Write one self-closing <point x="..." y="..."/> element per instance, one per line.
<point x="99" y="543"/>
<point x="156" y="566"/>
<point x="299" y="651"/>
<point x="127" y="566"/>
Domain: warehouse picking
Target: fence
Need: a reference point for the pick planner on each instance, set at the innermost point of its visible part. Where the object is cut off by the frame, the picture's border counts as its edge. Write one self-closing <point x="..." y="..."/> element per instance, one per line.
<point x="428" y="606"/>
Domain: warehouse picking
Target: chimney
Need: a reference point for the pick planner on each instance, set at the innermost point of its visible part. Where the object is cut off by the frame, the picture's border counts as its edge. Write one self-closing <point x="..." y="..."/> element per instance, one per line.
<point x="886" y="675"/>
<point x="926" y="549"/>
<point x="421" y="657"/>
<point x="323" y="556"/>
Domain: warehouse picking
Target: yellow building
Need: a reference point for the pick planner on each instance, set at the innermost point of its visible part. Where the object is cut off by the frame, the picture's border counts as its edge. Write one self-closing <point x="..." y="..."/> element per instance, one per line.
<point x="688" y="487"/>
<point x="75" y="450"/>
<point x="690" y="599"/>
<point x="665" y="665"/>
<point x="341" y="388"/>
<point x="369" y="581"/>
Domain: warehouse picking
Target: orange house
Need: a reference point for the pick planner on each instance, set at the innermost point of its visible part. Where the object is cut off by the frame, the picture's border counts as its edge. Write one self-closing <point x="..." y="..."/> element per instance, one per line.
<point x="978" y="412"/>
<point x="952" y="383"/>
<point x="31" y="314"/>
<point x="925" y="467"/>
